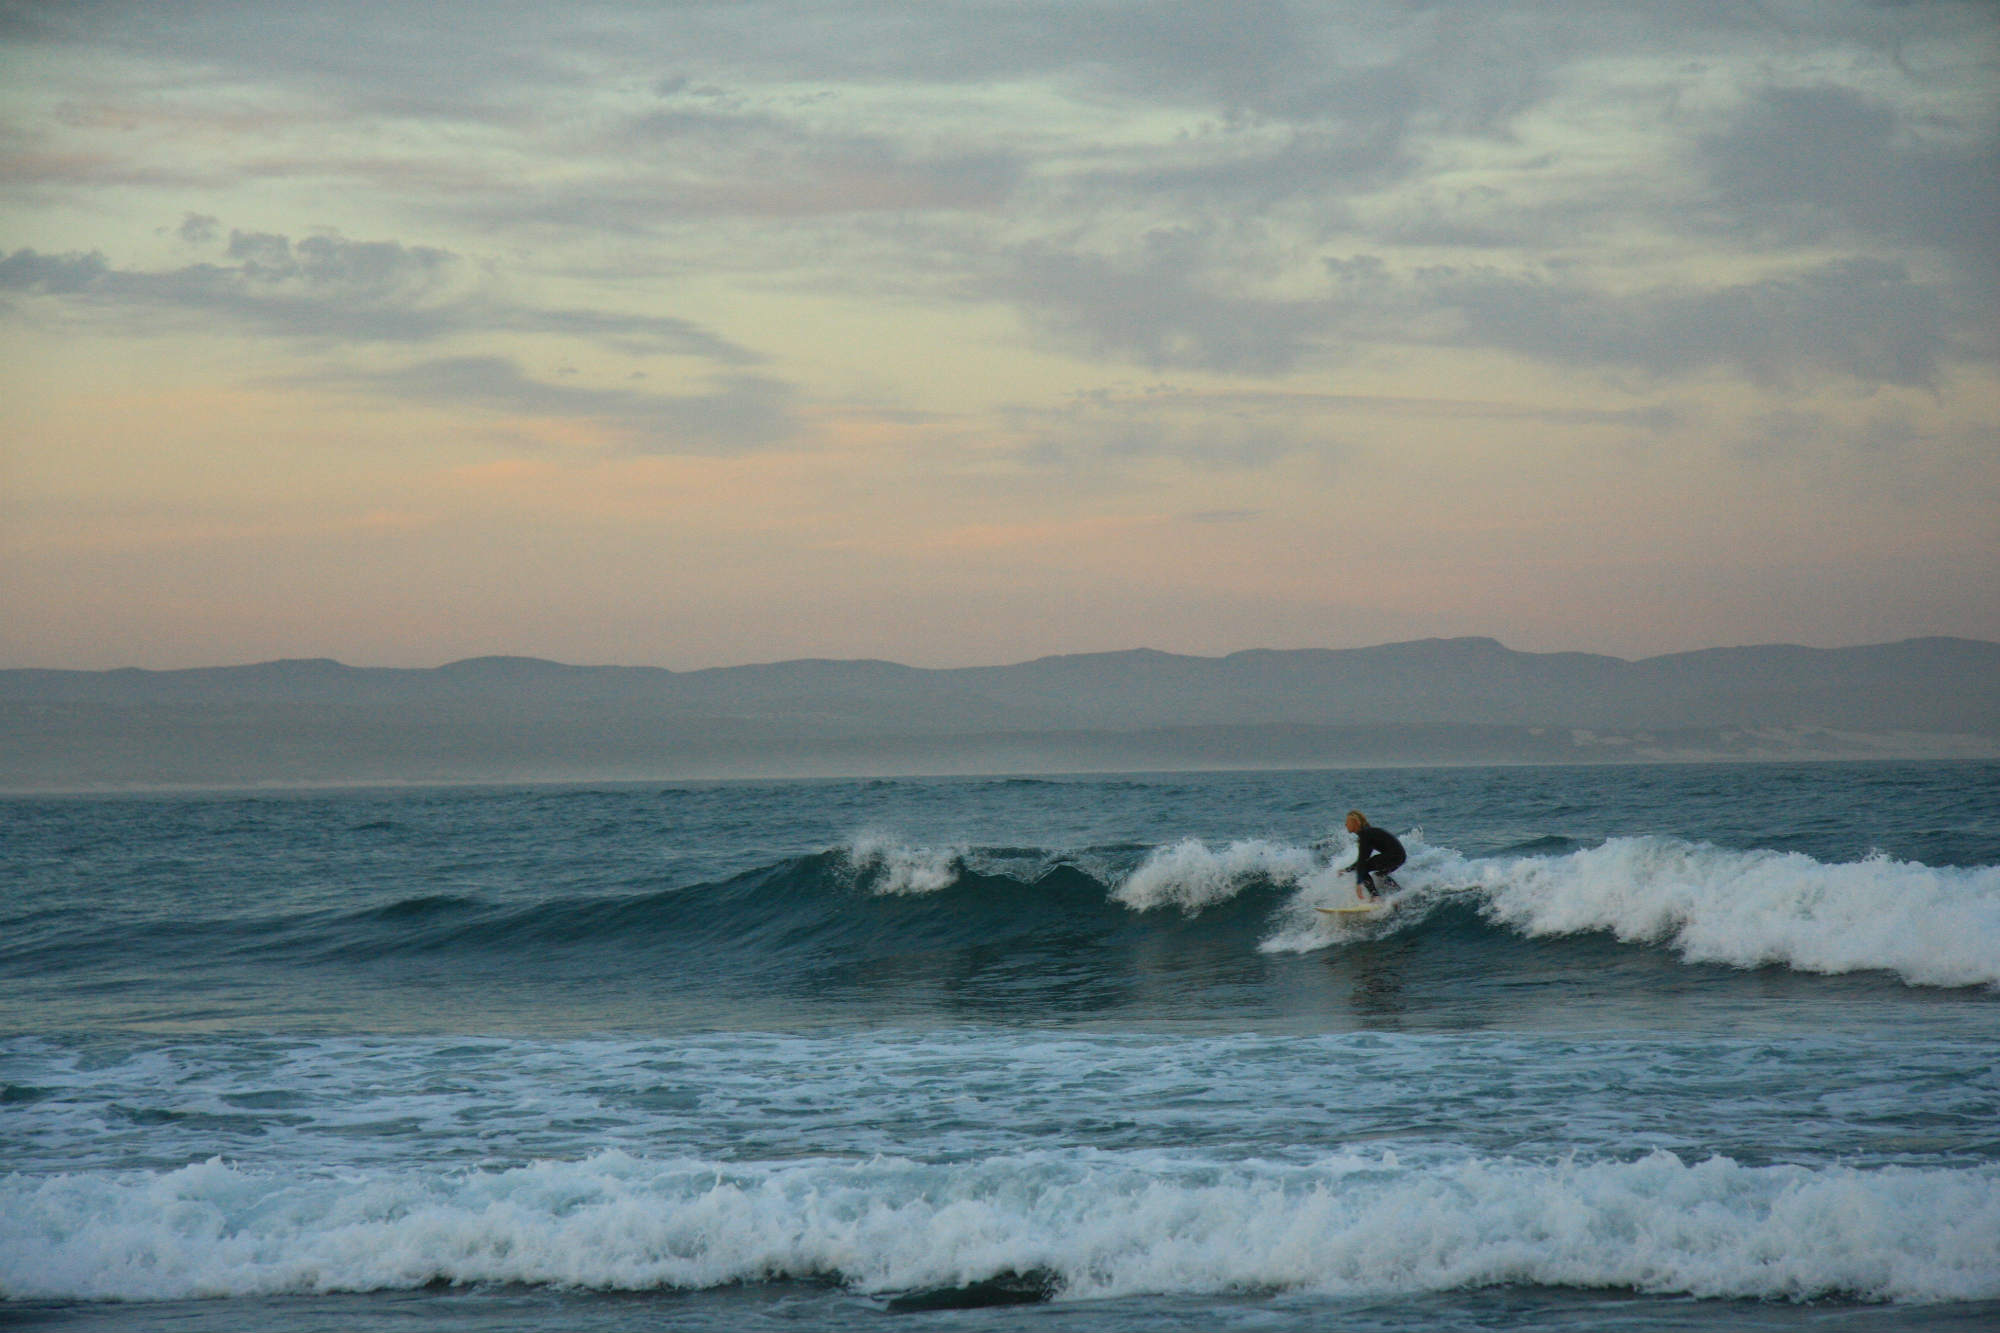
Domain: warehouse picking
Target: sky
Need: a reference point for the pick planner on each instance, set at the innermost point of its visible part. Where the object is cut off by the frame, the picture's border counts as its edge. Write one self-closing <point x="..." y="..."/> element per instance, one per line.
<point x="953" y="333"/>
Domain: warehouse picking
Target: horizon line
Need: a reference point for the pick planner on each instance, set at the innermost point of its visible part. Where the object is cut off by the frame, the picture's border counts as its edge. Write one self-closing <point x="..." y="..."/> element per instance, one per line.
<point x="1138" y="651"/>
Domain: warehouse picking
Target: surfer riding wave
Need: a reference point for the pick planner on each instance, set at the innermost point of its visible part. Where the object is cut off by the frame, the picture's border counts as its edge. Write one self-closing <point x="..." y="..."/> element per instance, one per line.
<point x="1376" y="852"/>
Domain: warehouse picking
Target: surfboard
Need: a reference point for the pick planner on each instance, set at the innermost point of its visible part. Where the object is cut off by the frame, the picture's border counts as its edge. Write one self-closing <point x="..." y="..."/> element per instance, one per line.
<point x="1359" y="909"/>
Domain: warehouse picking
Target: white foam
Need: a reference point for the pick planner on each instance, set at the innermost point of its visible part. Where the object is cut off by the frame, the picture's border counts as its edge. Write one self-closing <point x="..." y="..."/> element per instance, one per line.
<point x="1189" y="875"/>
<point x="894" y="868"/>
<point x="1931" y="926"/>
<point x="1105" y="1224"/>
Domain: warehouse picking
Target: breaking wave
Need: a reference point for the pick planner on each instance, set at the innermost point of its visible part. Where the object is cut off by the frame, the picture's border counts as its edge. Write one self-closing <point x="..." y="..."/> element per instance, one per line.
<point x="876" y="895"/>
<point x="1933" y="927"/>
<point x="1091" y="1223"/>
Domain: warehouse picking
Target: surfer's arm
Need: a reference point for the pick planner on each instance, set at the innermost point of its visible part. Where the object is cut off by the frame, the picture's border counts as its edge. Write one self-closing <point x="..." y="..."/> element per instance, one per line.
<point x="1363" y="845"/>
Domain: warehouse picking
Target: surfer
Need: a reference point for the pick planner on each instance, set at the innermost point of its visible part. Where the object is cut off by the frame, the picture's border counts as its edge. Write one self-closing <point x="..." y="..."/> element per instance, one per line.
<point x="1376" y="852"/>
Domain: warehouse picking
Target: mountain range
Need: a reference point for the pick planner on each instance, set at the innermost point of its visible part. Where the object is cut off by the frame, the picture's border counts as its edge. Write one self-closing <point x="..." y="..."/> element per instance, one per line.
<point x="1466" y="700"/>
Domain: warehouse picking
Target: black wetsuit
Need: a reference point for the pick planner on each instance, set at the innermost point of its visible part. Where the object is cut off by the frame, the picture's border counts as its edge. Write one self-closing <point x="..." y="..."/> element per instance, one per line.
<point x="1376" y="853"/>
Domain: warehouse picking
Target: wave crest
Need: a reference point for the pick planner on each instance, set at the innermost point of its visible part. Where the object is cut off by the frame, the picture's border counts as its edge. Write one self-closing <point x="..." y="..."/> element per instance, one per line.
<point x="1931" y="926"/>
<point x="886" y="867"/>
<point x="1189" y="875"/>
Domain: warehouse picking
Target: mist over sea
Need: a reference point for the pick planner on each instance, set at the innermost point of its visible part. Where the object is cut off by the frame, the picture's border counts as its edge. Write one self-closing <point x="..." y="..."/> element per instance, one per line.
<point x="1641" y="1047"/>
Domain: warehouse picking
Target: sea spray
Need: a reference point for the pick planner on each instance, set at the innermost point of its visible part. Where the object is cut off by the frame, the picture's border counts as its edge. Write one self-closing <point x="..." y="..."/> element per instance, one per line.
<point x="880" y="864"/>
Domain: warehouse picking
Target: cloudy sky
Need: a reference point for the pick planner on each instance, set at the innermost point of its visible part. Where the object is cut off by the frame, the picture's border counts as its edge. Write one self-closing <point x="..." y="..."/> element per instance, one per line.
<point x="702" y="333"/>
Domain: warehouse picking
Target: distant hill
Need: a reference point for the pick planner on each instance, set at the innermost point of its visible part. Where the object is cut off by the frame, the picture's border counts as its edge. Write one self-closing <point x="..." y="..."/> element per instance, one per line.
<point x="1432" y="701"/>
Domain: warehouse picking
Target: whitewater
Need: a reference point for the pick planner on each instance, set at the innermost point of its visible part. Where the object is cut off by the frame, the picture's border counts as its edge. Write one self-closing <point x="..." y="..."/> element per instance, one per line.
<point x="1645" y="1047"/>
<point x="1937" y="927"/>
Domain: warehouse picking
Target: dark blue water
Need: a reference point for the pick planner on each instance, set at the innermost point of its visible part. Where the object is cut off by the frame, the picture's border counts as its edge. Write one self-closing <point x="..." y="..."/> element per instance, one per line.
<point x="1637" y="1047"/>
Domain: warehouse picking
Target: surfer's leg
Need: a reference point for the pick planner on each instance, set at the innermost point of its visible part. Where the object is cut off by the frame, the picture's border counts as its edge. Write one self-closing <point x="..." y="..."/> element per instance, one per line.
<point x="1382" y="865"/>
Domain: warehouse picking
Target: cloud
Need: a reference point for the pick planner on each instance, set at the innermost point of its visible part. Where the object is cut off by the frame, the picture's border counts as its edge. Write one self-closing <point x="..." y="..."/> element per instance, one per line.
<point x="634" y="333"/>
<point x="1149" y="184"/>
<point x="1654" y="418"/>
<point x="1373" y="69"/>
<point x="1471" y="65"/>
<point x="198" y="228"/>
<point x="424" y="60"/>
<point x="746" y="412"/>
<point x="325" y="288"/>
<point x="51" y="275"/>
<point x="625" y="198"/>
<point x="1155" y="308"/>
<point x="332" y="262"/>
<point x="1172" y="304"/>
<point x="1862" y="318"/>
<point x="657" y="169"/>
<point x="1219" y="177"/>
<point x="1813" y="162"/>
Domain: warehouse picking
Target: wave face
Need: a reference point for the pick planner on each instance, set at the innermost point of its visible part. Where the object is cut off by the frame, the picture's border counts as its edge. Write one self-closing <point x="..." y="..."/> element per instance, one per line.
<point x="1101" y="1225"/>
<point x="1185" y="929"/>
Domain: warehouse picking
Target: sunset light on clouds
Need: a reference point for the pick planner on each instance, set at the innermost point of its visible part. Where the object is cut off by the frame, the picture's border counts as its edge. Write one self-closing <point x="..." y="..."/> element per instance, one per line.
<point x="967" y="332"/>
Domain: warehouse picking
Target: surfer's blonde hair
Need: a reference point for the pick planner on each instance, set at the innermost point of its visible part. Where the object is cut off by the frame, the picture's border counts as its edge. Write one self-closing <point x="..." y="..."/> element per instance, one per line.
<point x="1357" y="816"/>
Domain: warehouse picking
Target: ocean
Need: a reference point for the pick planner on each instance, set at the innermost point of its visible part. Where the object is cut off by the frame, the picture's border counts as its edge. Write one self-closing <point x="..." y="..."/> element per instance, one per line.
<point x="1637" y="1048"/>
